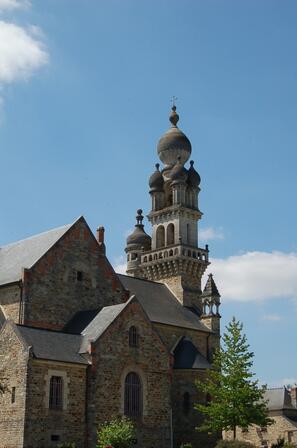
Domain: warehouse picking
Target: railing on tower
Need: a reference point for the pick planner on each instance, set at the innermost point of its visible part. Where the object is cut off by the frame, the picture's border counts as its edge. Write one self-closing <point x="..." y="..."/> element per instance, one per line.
<point x="175" y="250"/>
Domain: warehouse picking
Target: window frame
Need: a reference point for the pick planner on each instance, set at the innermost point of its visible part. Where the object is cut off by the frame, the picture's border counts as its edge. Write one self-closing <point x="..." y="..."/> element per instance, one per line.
<point x="56" y="393"/>
<point x="133" y="396"/>
<point x="133" y="337"/>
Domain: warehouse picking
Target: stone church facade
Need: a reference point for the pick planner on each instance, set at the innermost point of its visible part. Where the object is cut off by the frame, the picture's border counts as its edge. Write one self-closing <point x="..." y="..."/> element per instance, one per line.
<point x="81" y="344"/>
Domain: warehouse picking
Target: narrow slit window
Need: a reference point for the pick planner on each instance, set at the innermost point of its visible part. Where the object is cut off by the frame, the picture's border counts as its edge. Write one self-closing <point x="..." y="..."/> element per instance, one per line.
<point x="186" y="403"/>
<point x="133" y="337"/>
<point x="13" y="395"/>
<point x="79" y="276"/>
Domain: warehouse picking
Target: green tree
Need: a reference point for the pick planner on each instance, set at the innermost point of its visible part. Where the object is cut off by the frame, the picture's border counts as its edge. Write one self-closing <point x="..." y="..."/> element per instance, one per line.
<point x="236" y="399"/>
<point x="118" y="433"/>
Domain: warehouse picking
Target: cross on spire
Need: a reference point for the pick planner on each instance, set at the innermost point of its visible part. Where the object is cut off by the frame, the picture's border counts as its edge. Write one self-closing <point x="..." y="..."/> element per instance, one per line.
<point x="173" y="100"/>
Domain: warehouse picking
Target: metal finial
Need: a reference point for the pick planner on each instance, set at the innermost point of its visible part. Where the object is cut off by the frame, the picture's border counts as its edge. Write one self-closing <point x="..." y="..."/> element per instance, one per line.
<point x="139" y="217"/>
<point x="174" y="117"/>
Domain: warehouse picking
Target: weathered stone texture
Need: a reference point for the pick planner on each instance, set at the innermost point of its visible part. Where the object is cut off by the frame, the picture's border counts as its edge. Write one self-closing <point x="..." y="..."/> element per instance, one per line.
<point x="283" y="427"/>
<point x="42" y="422"/>
<point x="13" y="373"/>
<point x="52" y="292"/>
<point x="113" y="359"/>
<point x="170" y="335"/>
<point x="10" y="301"/>
<point x="186" y="419"/>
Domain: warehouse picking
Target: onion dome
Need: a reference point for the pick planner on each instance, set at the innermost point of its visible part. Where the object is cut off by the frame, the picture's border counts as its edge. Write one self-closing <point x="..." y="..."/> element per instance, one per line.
<point x="156" y="181"/>
<point x="174" y="143"/>
<point x="193" y="177"/>
<point x="178" y="173"/>
<point x="138" y="237"/>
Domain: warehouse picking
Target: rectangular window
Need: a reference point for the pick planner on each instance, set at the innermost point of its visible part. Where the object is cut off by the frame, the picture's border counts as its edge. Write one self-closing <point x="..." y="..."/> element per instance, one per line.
<point x="13" y="395"/>
<point x="56" y="393"/>
<point x="55" y="438"/>
<point x="79" y="276"/>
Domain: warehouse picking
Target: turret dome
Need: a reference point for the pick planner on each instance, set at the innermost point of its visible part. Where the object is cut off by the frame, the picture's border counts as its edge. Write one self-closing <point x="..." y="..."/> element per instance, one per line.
<point x="174" y="143"/>
<point x="156" y="181"/>
<point x="138" y="237"/>
<point x="193" y="177"/>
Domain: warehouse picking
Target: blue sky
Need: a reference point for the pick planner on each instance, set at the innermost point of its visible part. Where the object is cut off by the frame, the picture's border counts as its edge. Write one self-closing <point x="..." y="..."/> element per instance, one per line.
<point x="85" y="88"/>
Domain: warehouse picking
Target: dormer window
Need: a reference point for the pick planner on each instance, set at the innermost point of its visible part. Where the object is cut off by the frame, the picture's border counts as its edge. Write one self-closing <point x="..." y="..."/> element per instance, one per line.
<point x="133" y="337"/>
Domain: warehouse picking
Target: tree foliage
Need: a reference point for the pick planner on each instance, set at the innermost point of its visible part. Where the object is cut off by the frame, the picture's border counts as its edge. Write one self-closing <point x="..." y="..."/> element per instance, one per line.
<point x="236" y="399"/>
<point x="119" y="433"/>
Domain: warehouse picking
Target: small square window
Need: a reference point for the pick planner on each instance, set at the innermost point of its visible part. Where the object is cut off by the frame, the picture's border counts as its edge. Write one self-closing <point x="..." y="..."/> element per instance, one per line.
<point x="13" y="395"/>
<point x="55" y="438"/>
<point x="79" y="276"/>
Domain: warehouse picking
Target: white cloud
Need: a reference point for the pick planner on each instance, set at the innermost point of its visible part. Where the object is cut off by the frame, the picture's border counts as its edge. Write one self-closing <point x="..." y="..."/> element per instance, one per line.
<point x="120" y="265"/>
<point x="209" y="233"/>
<point x="271" y="317"/>
<point x="257" y="276"/>
<point x="21" y="52"/>
<point x="251" y="276"/>
<point x="10" y="5"/>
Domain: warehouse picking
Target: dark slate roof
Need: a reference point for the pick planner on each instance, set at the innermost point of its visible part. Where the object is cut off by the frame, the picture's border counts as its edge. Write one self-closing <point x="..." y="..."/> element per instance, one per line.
<point x="278" y="399"/>
<point x="160" y="304"/>
<point x="53" y="345"/>
<point x="25" y="253"/>
<point x="187" y="356"/>
<point x="210" y="289"/>
<point x="80" y="321"/>
<point x="100" y="323"/>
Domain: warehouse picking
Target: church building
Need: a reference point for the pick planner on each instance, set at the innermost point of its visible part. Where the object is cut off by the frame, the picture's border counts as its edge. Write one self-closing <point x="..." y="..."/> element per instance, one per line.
<point x="81" y="345"/>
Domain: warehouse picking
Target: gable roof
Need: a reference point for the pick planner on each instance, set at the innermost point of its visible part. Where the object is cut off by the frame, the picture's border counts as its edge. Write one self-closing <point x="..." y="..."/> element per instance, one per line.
<point x="187" y="356"/>
<point x="101" y="322"/>
<point x="52" y="345"/>
<point x="161" y="305"/>
<point x="278" y="399"/>
<point x="25" y="253"/>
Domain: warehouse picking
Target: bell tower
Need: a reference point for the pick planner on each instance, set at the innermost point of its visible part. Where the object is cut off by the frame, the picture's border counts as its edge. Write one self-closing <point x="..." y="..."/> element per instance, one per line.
<point x="174" y="257"/>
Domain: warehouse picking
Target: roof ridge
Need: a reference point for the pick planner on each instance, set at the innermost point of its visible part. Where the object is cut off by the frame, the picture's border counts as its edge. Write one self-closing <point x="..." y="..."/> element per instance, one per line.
<point x="39" y="234"/>
<point x="46" y="329"/>
<point x="141" y="279"/>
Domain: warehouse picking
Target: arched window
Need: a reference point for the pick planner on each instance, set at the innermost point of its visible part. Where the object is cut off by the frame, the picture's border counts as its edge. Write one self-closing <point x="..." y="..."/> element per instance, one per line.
<point x="133" y="395"/>
<point x="186" y="403"/>
<point x="170" y="234"/>
<point x="133" y="337"/>
<point x="160" y="237"/>
<point x="56" y="393"/>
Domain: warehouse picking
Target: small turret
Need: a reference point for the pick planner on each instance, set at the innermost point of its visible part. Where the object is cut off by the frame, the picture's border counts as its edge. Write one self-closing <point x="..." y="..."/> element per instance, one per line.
<point x="137" y="243"/>
<point x="210" y="305"/>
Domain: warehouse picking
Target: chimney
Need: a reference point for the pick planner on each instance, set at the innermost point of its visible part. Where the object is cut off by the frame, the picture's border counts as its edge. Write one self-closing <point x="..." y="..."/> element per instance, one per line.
<point x="100" y="238"/>
<point x="293" y="393"/>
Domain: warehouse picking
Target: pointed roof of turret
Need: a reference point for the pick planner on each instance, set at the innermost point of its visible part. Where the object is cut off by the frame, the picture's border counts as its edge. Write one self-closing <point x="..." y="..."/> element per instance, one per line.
<point x="210" y="289"/>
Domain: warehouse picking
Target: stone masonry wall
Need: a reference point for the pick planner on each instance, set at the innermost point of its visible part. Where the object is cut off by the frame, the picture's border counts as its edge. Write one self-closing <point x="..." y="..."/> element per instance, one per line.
<point x="170" y="335"/>
<point x="185" y="417"/>
<point x="185" y="420"/>
<point x="52" y="291"/>
<point x="41" y="422"/>
<point x="112" y="360"/>
<point x="282" y="428"/>
<point x="13" y="374"/>
<point x="10" y="302"/>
